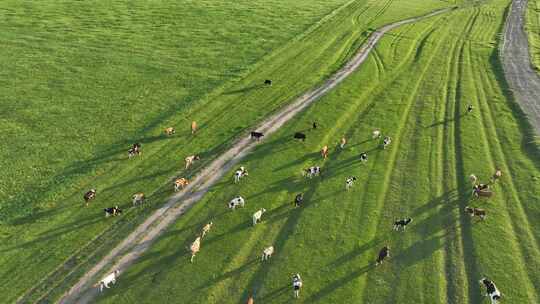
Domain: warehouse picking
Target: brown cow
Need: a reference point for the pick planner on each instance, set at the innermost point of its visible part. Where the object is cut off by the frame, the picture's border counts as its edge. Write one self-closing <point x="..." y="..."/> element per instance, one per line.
<point x="180" y="183"/>
<point x="324" y="152"/>
<point x="169" y="131"/>
<point x="193" y="127"/>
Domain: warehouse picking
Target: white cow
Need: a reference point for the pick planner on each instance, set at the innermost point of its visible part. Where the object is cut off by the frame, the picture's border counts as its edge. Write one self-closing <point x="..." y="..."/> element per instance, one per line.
<point x="237" y="201"/>
<point x="473" y="179"/>
<point x="257" y="216"/>
<point x="267" y="253"/>
<point x="110" y="278"/>
<point x="138" y="198"/>
<point x="376" y="134"/>
<point x="206" y="229"/>
<point x="238" y="174"/>
<point x="195" y="247"/>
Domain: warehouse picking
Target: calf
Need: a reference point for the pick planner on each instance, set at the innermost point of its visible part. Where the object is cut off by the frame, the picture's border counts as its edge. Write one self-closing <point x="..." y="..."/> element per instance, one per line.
<point x="300" y="136"/>
<point x="343" y="142"/>
<point x="138" y="198"/>
<point x="256" y="135"/>
<point x="376" y="134"/>
<point x="469" y="108"/>
<point x="190" y="160"/>
<point x="169" y="131"/>
<point x="90" y="195"/>
<point x="386" y="141"/>
<point x="473" y="179"/>
<point x="402" y="224"/>
<point x="476" y="212"/>
<point x="110" y="278"/>
<point x="195" y="247"/>
<point x="180" y="183"/>
<point x="193" y="127"/>
<point x="298" y="199"/>
<point x="237" y="201"/>
<point x="268" y="82"/>
<point x="238" y="174"/>
<point x="257" y="216"/>
<point x="206" y="229"/>
<point x="349" y="182"/>
<point x="324" y="152"/>
<point x="311" y="171"/>
<point x="491" y="290"/>
<point x="383" y="253"/>
<point x="363" y="157"/>
<point x="114" y="211"/>
<point x="135" y="150"/>
<point x="267" y="253"/>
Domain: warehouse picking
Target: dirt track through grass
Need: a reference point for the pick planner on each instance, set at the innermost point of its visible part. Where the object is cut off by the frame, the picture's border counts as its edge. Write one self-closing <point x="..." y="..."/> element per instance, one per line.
<point x="142" y="238"/>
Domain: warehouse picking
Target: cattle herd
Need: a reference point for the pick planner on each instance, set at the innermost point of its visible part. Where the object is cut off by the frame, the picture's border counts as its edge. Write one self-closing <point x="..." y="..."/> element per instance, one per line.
<point x="479" y="191"/>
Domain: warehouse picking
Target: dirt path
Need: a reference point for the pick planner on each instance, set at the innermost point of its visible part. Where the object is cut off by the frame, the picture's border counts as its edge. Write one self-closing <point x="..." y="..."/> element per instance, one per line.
<point x="521" y="77"/>
<point x="125" y="254"/>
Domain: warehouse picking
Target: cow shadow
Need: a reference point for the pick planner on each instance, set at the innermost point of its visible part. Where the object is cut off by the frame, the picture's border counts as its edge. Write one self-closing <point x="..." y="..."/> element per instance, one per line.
<point x="328" y="289"/>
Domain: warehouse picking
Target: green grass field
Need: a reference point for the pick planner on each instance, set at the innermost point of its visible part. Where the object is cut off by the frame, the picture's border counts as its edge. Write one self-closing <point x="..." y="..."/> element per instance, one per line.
<point x="533" y="30"/>
<point x="83" y="81"/>
<point x="415" y="87"/>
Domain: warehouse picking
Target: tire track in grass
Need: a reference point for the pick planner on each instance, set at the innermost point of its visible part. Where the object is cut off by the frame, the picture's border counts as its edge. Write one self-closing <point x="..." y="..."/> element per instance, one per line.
<point x="529" y="253"/>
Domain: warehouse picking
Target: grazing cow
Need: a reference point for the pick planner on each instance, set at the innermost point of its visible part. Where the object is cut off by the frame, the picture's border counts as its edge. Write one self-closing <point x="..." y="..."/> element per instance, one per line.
<point x="267" y="253"/>
<point x="169" y="131"/>
<point x="496" y="175"/>
<point x="195" y="247"/>
<point x="300" y="136"/>
<point x="349" y="182"/>
<point x="237" y="201"/>
<point x="180" y="183"/>
<point x="238" y="174"/>
<point x="114" y="211"/>
<point x="297" y="284"/>
<point x="190" y="159"/>
<point x="206" y="229"/>
<point x="138" y="198"/>
<point x="90" y="195"/>
<point x="135" y="150"/>
<point x="469" y="108"/>
<point x="193" y="127"/>
<point x="343" y="142"/>
<point x="324" y="152"/>
<point x="257" y="216"/>
<point x="314" y="125"/>
<point x="476" y="212"/>
<point x="481" y="190"/>
<point x="491" y="290"/>
<point x="110" y="278"/>
<point x="268" y="82"/>
<point x="311" y="171"/>
<point x="298" y="199"/>
<point x="473" y="179"/>
<point x="386" y="141"/>
<point x="402" y="224"/>
<point x="250" y="300"/>
<point x="363" y="157"/>
<point x="256" y="135"/>
<point x="383" y="253"/>
<point x="376" y="134"/>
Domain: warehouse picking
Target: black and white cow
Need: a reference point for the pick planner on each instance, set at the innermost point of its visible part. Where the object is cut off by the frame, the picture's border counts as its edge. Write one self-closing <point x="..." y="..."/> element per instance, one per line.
<point x="481" y="213"/>
<point x="299" y="135"/>
<point x="386" y="141"/>
<point x="312" y="171"/>
<point x="237" y="201"/>
<point x="491" y="290"/>
<point x="383" y="254"/>
<point x="363" y="157"/>
<point x="238" y="174"/>
<point x="298" y="200"/>
<point x="349" y="182"/>
<point x="402" y="224"/>
<point x="256" y="135"/>
<point x="134" y="150"/>
<point x="114" y="211"/>
<point x="90" y="195"/>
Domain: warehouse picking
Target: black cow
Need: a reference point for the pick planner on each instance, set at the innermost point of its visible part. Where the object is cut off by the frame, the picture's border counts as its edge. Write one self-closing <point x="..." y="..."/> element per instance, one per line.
<point x="114" y="211"/>
<point x="298" y="200"/>
<point x="469" y="108"/>
<point x="268" y="82"/>
<point x="384" y="253"/>
<point x="299" y="135"/>
<point x="402" y="223"/>
<point x="314" y="125"/>
<point x="256" y="135"/>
